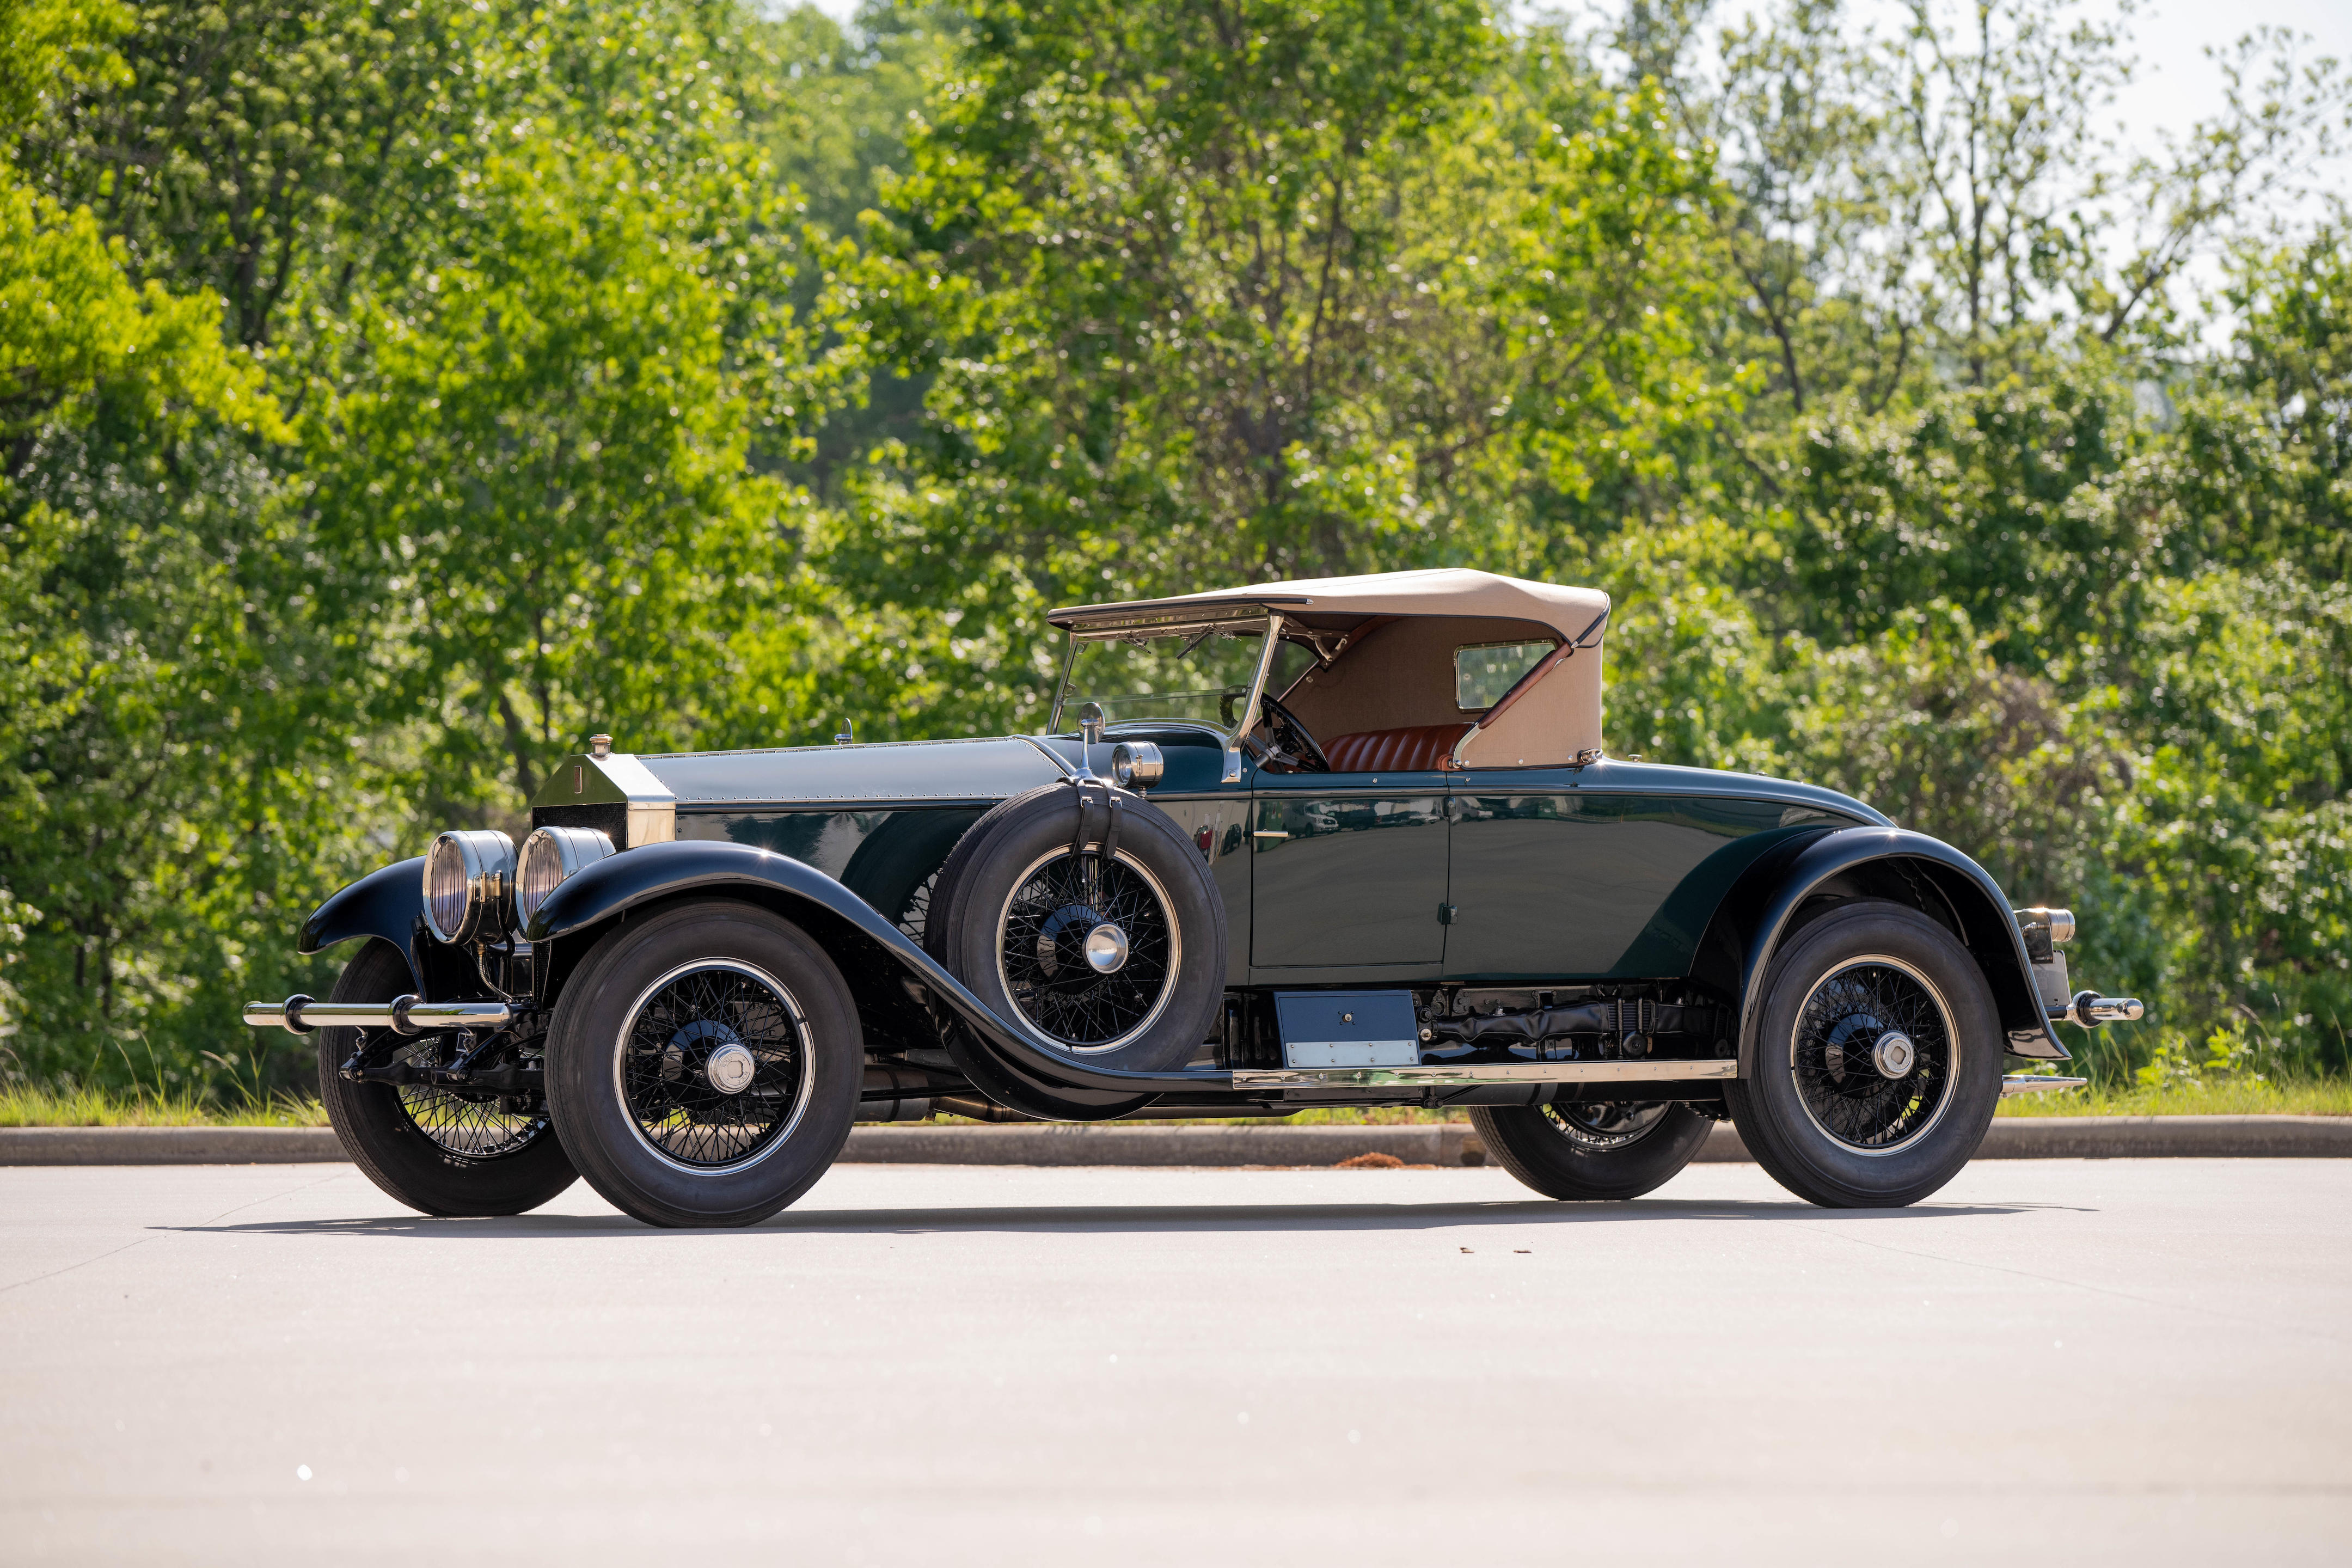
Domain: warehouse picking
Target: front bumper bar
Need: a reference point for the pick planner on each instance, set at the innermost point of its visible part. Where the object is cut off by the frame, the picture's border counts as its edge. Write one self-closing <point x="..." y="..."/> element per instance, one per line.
<point x="402" y="1014"/>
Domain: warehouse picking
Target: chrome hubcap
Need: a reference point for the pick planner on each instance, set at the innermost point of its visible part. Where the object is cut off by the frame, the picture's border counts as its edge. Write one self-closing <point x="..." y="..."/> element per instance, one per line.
<point x="1894" y="1055"/>
<point x="1106" y="949"/>
<point x="730" y="1069"/>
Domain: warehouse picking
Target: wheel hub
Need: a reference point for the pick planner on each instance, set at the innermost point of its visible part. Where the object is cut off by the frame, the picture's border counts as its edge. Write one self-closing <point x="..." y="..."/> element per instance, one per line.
<point x="732" y="1067"/>
<point x="1087" y="953"/>
<point x="1873" y="1054"/>
<point x="714" y="1064"/>
<point x="1106" y="949"/>
<point x="1894" y="1054"/>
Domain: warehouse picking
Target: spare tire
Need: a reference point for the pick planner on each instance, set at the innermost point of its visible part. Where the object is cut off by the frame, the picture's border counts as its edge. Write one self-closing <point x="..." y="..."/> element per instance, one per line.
<point x="1115" y="961"/>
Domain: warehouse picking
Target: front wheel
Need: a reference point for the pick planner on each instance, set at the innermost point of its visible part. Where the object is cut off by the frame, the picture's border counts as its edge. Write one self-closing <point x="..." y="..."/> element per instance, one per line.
<point x="451" y="1153"/>
<point x="704" y="1066"/>
<point x="1877" y="1059"/>
<point x="1592" y="1151"/>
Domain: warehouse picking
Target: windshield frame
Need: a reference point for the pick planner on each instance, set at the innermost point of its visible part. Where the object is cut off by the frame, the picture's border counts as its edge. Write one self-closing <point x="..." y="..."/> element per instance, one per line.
<point x="1238" y="619"/>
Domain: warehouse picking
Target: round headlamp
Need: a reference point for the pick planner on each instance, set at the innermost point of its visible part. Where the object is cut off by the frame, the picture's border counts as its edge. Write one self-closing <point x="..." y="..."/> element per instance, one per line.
<point x="550" y="856"/>
<point x="470" y="885"/>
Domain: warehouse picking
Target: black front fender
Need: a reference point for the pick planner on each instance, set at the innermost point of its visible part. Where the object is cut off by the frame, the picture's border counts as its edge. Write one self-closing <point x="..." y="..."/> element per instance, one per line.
<point x="1933" y="872"/>
<point x="389" y="903"/>
<point x="1013" y="1062"/>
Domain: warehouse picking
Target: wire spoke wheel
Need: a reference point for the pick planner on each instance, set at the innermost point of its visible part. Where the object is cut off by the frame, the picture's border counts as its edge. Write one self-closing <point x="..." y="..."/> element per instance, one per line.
<point x="1873" y="1053"/>
<point x="1087" y="949"/>
<point x="1606" y="1124"/>
<point x="470" y="1124"/>
<point x="714" y="1064"/>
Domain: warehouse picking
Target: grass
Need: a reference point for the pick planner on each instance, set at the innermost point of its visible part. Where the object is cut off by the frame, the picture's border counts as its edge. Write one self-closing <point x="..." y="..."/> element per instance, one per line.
<point x="2247" y="1096"/>
<point x="26" y="1106"/>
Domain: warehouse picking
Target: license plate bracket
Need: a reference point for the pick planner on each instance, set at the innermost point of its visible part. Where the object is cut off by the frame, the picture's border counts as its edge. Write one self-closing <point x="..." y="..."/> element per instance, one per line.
<point x="1347" y="1028"/>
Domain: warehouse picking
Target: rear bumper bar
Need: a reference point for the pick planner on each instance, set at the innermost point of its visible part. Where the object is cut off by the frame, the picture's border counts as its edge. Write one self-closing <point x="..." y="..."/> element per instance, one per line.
<point x="402" y="1015"/>
<point x="2090" y="1009"/>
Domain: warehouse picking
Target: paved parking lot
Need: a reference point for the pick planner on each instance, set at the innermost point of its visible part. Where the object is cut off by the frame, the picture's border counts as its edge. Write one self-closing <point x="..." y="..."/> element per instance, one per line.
<point x="2124" y="1361"/>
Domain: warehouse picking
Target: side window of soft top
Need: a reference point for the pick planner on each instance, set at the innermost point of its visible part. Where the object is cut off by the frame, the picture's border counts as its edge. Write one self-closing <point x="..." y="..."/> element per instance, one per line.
<point x="1484" y="671"/>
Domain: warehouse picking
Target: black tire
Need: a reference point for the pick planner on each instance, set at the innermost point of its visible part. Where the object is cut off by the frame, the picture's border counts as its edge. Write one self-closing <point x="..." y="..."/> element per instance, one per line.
<point x="1823" y="1109"/>
<point x="635" y="1051"/>
<point x="1592" y="1151"/>
<point x="516" y="1163"/>
<point x="1013" y="870"/>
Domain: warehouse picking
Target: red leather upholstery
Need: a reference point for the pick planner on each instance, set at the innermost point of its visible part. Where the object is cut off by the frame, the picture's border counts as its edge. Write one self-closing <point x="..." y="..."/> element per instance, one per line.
<point x="1418" y="748"/>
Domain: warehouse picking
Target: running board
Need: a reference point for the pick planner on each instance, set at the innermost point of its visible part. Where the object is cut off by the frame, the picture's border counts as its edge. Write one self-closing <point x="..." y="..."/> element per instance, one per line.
<point x="1444" y="1076"/>
<point x="2036" y="1083"/>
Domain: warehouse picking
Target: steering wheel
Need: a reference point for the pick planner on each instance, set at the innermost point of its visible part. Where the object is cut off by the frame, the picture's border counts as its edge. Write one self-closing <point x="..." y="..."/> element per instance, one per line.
<point x="1292" y="743"/>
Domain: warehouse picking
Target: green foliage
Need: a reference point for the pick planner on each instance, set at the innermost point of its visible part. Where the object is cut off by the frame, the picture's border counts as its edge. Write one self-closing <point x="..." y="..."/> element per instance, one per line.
<point x="1247" y="290"/>
<point x="393" y="394"/>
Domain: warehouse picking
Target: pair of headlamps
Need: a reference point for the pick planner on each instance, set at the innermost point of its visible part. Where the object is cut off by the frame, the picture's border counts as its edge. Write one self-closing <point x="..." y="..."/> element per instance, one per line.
<point x="477" y="886"/>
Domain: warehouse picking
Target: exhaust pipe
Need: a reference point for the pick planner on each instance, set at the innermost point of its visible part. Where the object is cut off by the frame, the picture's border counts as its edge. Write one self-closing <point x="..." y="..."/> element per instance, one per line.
<point x="409" y="1015"/>
<point x="890" y="1095"/>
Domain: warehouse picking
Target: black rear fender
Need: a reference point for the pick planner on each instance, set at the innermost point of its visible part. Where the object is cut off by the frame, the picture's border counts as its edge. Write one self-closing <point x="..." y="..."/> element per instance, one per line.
<point x="1783" y="893"/>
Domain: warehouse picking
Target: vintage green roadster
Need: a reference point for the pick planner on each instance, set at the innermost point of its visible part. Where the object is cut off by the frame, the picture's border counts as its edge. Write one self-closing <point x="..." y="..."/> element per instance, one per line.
<point x="1345" y="842"/>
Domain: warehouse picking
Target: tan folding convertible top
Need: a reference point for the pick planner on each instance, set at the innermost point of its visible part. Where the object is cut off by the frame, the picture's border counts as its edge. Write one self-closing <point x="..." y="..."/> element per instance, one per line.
<point x="1395" y="669"/>
<point x="1337" y="603"/>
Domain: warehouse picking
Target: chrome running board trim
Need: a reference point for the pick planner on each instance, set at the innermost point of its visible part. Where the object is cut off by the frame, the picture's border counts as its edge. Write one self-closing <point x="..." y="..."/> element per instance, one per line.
<point x="1444" y="1076"/>
<point x="2036" y="1083"/>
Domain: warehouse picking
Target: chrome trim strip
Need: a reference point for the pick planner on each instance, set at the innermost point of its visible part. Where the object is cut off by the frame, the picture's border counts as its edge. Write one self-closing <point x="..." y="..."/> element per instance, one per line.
<point x="1069" y="774"/>
<point x="1481" y="1072"/>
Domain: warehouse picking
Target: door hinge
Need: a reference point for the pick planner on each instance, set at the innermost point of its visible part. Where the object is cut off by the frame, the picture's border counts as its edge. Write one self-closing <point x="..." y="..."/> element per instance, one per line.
<point x="1445" y="914"/>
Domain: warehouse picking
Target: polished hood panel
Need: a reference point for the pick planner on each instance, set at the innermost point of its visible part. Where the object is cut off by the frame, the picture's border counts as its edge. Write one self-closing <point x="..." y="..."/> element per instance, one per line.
<point x="899" y="773"/>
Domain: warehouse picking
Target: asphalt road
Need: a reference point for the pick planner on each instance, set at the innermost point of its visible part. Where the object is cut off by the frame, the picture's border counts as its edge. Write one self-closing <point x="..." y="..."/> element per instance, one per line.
<point x="2076" y="1362"/>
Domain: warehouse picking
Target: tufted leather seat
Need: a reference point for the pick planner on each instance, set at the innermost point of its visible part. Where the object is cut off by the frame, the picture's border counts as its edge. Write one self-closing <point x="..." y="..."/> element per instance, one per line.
<point x="1418" y="748"/>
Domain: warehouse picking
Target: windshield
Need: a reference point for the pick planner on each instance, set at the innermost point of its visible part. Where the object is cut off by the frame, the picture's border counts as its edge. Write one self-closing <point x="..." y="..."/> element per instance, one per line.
<point x="1202" y="678"/>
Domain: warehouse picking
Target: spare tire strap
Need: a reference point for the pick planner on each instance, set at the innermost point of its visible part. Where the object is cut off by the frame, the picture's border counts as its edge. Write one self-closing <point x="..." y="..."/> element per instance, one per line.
<point x="1078" y="838"/>
<point x="1109" y="849"/>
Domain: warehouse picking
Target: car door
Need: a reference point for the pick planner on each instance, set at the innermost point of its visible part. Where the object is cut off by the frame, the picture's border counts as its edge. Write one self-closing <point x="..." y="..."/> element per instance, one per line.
<point x="1347" y="876"/>
<point x="1585" y="874"/>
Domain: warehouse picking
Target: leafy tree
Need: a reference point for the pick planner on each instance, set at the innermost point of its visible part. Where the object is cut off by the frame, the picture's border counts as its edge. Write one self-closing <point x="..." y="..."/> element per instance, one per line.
<point x="1251" y="290"/>
<point x="142" y="687"/>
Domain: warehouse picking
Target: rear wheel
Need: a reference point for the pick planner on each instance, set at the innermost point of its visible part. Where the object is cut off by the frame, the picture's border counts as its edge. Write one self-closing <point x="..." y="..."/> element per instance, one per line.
<point x="1592" y="1150"/>
<point x="1877" y="1059"/>
<point x="444" y="1151"/>
<point x="704" y="1066"/>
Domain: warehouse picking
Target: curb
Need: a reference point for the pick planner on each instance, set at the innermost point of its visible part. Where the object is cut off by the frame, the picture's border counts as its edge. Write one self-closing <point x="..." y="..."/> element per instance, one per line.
<point x="1057" y="1143"/>
<point x="168" y="1145"/>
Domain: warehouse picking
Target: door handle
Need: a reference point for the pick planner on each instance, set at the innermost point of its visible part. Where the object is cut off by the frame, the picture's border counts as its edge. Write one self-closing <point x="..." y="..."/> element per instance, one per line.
<point x="1266" y="833"/>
